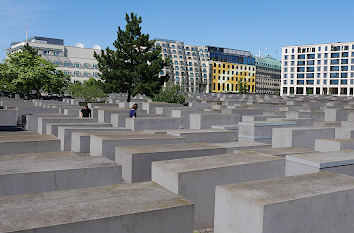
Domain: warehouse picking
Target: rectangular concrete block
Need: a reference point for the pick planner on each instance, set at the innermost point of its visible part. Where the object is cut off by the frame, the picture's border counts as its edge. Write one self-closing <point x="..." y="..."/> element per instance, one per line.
<point x="105" y="145"/>
<point x="303" y="137"/>
<point x="42" y="122"/>
<point x="196" y="178"/>
<point x="31" y="143"/>
<point x="8" y="117"/>
<point x="261" y="129"/>
<point x="324" y="145"/>
<point x="136" y="160"/>
<point x="205" y="135"/>
<point x="206" y="119"/>
<point x="148" y="123"/>
<point x="311" y="203"/>
<point x="52" y="171"/>
<point x="341" y="162"/>
<point x="135" y="208"/>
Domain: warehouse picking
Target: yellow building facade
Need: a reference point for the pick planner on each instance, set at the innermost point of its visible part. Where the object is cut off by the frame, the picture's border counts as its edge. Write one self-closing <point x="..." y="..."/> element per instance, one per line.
<point x="227" y="76"/>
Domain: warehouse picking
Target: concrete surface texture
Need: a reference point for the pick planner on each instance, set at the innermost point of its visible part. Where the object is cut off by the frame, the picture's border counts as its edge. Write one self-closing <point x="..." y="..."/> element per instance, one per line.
<point x="196" y="178"/>
<point x="286" y="205"/>
<point x="135" y="208"/>
<point x="51" y="171"/>
<point x="217" y="139"/>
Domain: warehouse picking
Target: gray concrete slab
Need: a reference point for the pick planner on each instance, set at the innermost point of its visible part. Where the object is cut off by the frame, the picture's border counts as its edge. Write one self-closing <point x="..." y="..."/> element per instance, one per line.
<point x="28" y="143"/>
<point x="105" y="145"/>
<point x="52" y="128"/>
<point x="135" y="208"/>
<point x="303" y="137"/>
<point x="52" y="171"/>
<point x="341" y="162"/>
<point x="196" y="178"/>
<point x="287" y="205"/>
<point x="136" y="160"/>
<point x="65" y="133"/>
<point x="205" y="135"/>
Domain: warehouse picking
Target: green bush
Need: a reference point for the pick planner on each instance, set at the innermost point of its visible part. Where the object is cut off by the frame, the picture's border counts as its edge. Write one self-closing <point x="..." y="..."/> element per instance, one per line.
<point x="91" y="90"/>
<point x="170" y="94"/>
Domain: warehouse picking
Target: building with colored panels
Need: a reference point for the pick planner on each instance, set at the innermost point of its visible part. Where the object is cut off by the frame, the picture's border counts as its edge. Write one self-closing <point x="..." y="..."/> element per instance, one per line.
<point x="226" y="77"/>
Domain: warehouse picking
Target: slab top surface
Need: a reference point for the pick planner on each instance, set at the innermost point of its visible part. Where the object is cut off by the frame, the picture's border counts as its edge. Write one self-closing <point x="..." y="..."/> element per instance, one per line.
<point x="239" y="144"/>
<point x="49" y="161"/>
<point x="168" y="147"/>
<point x="195" y="131"/>
<point x="283" y="151"/>
<point x="215" y="161"/>
<point x="21" y="212"/>
<point x="324" y="159"/>
<point x="270" y="191"/>
<point x="27" y="138"/>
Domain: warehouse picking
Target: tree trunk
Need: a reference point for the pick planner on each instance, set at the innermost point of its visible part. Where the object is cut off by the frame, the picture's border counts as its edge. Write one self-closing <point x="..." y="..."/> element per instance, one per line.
<point x="129" y="96"/>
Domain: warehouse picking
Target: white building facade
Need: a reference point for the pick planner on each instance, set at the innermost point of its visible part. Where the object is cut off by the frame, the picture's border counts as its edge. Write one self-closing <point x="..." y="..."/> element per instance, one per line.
<point x="76" y="61"/>
<point x="318" y="69"/>
<point x="190" y="66"/>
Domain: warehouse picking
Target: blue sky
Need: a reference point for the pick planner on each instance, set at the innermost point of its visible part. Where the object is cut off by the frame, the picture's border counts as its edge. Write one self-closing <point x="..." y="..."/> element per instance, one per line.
<point x="248" y="25"/>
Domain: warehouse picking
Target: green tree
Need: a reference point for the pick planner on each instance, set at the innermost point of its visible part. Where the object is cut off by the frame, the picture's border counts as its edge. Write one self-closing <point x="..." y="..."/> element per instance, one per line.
<point x="242" y="87"/>
<point x="134" y="66"/>
<point x="26" y="71"/>
<point x="170" y="94"/>
<point x="91" y="90"/>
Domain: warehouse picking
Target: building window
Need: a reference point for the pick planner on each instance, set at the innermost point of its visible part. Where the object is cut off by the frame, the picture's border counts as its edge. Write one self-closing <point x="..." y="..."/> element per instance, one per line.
<point x="95" y="75"/>
<point x="77" y="65"/>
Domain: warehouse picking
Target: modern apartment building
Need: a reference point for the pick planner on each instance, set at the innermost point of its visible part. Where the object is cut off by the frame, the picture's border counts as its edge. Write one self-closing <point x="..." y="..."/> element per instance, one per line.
<point x="268" y="75"/>
<point x="190" y="65"/>
<point x="318" y="69"/>
<point x="193" y="66"/>
<point x="78" y="62"/>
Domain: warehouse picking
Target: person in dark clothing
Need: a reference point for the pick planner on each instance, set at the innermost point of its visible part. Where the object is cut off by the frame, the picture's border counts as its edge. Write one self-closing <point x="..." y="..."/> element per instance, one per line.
<point x="132" y="113"/>
<point x="85" y="112"/>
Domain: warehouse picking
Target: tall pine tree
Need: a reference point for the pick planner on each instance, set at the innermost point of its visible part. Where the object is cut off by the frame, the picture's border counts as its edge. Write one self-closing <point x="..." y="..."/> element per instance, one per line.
<point x="134" y="66"/>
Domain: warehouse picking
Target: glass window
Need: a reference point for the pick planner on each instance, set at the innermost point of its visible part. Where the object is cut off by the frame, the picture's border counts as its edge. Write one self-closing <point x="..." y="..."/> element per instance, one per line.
<point x="334" y="82"/>
<point x="302" y="56"/>
<point x="344" y="81"/>
<point x="311" y="62"/>
<point x="344" y="75"/>
<point x="334" y="75"/>
<point x="77" y="65"/>
<point x="56" y="53"/>
<point x="310" y="75"/>
<point x="335" y="55"/>
<point x="310" y="69"/>
<point x="344" y="61"/>
<point x="310" y="56"/>
<point x="176" y="68"/>
<point x="324" y="81"/>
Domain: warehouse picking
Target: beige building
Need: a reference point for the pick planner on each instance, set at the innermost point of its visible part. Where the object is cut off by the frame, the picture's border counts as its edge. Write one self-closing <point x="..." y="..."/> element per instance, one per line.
<point x="76" y="61"/>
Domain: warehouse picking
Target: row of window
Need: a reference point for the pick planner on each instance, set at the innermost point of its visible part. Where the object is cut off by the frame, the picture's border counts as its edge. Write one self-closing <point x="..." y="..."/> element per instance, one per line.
<point x="313" y="56"/>
<point x="79" y="74"/>
<point x="312" y="75"/>
<point x="233" y="72"/>
<point x="188" y="63"/>
<point x="182" y="57"/>
<point x="233" y="67"/>
<point x="76" y="65"/>
<point x="325" y="62"/>
<point x="318" y="82"/>
<point x="232" y="79"/>
<point x="319" y="68"/>
<point x="181" y="47"/>
<point x="333" y="48"/>
<point x="230" y="87"/>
